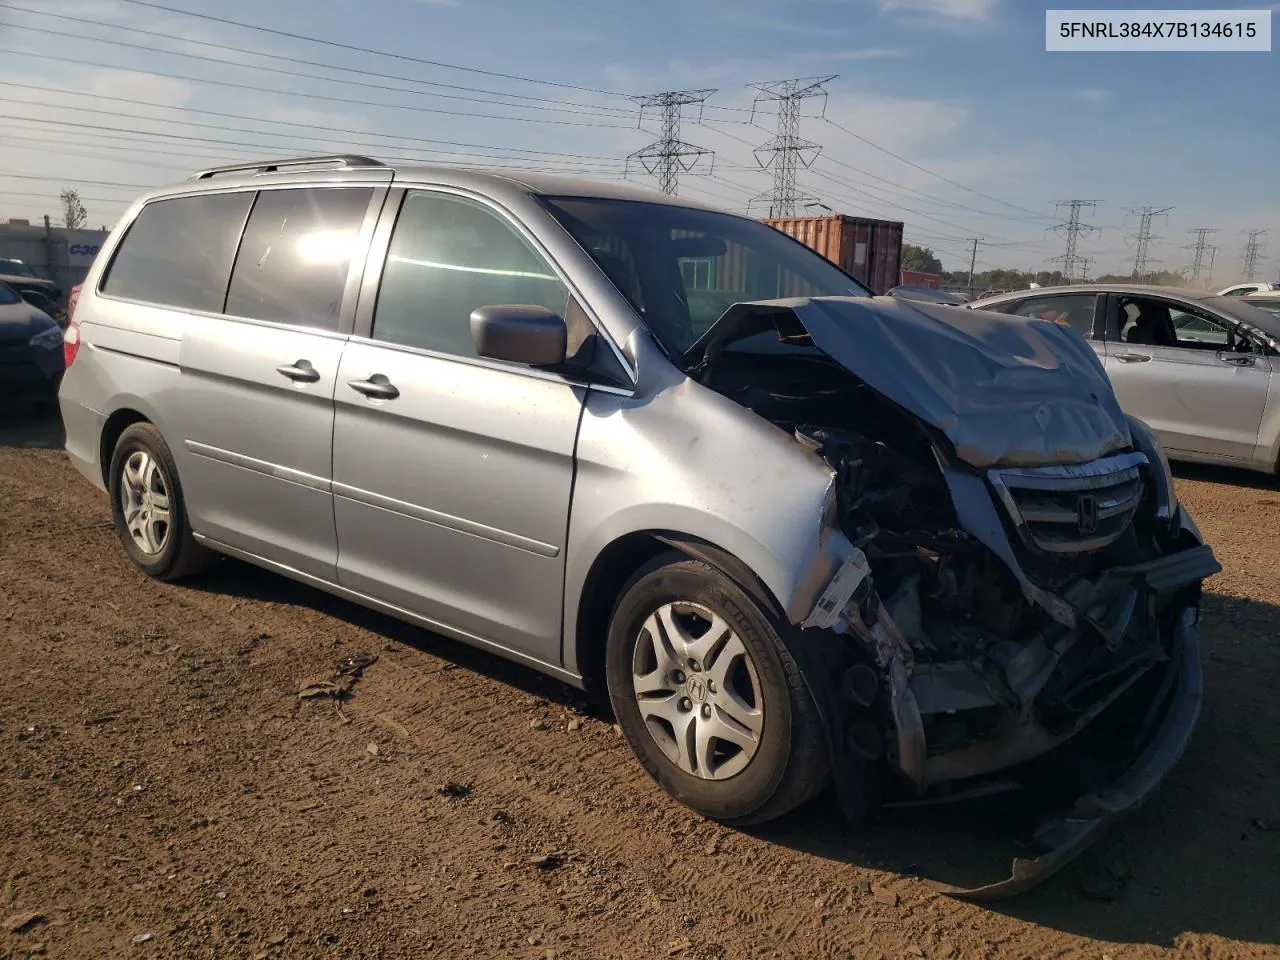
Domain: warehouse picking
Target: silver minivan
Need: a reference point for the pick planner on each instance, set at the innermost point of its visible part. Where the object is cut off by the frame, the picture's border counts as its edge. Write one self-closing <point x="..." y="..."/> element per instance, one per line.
<point x="796" y="533"/>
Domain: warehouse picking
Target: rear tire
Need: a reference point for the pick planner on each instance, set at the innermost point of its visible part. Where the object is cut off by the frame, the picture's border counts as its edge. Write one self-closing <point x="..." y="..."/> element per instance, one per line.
<point x="708" y="696"/>
<point x="148" y="509"/>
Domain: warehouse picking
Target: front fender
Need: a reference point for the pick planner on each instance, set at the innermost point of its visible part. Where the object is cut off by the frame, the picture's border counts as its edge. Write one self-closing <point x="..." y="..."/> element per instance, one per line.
<point x="692" y="464"/>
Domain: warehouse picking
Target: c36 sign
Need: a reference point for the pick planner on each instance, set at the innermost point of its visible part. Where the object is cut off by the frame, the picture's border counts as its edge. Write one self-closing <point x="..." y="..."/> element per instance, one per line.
<point x="83" y="246"/>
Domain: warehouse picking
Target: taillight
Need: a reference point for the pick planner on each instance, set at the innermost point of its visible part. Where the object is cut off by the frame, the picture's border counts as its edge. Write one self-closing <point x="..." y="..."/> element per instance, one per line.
<point x="70" y="344"/>
<point x="72" y="300"/>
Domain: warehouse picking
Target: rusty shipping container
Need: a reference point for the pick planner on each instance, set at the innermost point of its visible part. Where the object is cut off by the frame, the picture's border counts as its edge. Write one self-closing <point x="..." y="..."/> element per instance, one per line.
<point x="871" y="250"/>
<point x="917" y="278"/>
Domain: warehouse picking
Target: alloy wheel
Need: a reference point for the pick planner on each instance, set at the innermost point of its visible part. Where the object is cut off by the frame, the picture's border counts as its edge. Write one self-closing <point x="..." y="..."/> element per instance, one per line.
<point x="698" y="690"/>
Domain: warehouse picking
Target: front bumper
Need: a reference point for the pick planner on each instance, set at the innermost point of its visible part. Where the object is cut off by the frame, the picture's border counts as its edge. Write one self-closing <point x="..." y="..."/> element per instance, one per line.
<point x="1064" y="837"/>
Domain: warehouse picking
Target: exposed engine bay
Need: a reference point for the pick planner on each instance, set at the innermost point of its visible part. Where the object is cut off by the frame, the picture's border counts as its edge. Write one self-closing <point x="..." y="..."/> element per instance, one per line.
<point x="998" y="604"/>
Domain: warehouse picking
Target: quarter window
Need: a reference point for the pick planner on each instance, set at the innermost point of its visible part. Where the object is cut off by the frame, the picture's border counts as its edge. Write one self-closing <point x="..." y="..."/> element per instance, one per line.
<point x="448" y="256"/>
<point x="178" y="253"/>
<point x="297" y="250"/>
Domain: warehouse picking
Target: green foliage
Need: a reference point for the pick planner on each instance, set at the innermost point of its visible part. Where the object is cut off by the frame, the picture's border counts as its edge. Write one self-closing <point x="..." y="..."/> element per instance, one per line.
<point x="921" y="259"/>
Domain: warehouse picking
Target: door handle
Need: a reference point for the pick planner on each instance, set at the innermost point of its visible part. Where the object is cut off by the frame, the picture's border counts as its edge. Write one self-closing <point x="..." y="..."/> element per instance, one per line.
<point x="1133" y="357"/>
<point x="1237" y="360"/>
<point x="300" y="371"/>
<point x="377" y="387"/>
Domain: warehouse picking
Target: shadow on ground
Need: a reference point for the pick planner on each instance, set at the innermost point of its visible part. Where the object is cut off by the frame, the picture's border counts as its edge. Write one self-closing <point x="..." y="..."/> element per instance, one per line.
<point x="1227" y="476"/>
<point x="38" y="427"/>
<point x="1201" y="857"/>
<point x="236" y="579"/>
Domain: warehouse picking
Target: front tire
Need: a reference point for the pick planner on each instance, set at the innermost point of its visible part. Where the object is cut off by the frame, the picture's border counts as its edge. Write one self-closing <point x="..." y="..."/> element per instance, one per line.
<point x="708" y="696"/>
<point x="148" y="509"/>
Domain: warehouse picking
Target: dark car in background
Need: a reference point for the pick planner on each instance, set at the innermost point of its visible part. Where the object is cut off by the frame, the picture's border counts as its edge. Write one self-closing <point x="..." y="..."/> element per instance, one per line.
<point x="31" y="361"/>
<point x="44" y="293"/>
<point x="926" y="295"/>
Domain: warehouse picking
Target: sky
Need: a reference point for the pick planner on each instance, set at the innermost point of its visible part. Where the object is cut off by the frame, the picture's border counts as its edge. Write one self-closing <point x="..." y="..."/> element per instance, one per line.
<point x="948" y="115"/>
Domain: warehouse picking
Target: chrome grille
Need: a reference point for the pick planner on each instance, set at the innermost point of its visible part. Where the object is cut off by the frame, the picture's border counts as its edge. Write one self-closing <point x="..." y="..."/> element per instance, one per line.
<point x="1072" y="508"/>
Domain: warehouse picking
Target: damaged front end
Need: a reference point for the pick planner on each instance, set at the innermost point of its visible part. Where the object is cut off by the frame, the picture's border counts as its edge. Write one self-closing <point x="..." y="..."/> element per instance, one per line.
<point x="1007" y="561"/>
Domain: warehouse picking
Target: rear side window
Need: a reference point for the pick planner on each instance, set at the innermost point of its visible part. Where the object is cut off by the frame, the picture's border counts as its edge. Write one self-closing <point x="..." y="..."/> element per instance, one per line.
<point x="297" y="250"/>
<point x="178" y="252"/>
<point x="1074" y="310"/>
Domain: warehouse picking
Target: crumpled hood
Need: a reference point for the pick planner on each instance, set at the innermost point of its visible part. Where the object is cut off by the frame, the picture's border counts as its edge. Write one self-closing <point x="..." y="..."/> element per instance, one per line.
<point x="1005" y="391"/>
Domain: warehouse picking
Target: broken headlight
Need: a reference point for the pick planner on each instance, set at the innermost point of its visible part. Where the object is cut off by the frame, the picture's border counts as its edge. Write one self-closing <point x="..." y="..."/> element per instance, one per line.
<point x="1166" y="498"/>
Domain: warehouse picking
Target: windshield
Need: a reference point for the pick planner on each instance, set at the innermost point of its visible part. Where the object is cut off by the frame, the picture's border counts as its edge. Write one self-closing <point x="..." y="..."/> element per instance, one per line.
<point x="8" y="295"/>
<point x="682" y="268"/>
<point x="16" y="268"/>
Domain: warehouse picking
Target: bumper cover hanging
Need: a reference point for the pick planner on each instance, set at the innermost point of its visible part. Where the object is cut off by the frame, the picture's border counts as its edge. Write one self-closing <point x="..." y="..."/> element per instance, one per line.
<point x="1065" y="837"/>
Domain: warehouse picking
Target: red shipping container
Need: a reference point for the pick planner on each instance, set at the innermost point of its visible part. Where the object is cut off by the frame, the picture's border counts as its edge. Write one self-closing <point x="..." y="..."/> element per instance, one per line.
<point x="870" y="250"/>
<point x="916" y="278"/>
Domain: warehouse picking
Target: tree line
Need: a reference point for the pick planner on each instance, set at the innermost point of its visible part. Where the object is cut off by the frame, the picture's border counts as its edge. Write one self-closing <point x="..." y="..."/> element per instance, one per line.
<point x="924" y="260"/>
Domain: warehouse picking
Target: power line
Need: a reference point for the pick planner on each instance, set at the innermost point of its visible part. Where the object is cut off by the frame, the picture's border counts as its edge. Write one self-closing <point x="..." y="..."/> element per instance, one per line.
<point x="668" y="156"/>
<point x="204" y="154"/>
<point x="1253" y="248"/>
<point x="282" y="57"/>
<point x="891" y="186"/>
<point x="787" y="151"/>
<point x="289" y="123"/>
<point x="1072" y="229"/>
<point x="1199" y="247"/>
<point x="932" y="173"/>
<point x="221" y="143"/>
<point x="327" y="98"/>
<point x="814" y="169"/>
<point x="591" y="111"/>
<point x="1141" y="257"/>
<point x="377" y="53"/>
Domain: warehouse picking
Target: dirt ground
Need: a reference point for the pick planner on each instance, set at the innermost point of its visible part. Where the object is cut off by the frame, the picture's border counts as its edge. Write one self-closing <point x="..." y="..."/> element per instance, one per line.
<point x="165" y="793"/>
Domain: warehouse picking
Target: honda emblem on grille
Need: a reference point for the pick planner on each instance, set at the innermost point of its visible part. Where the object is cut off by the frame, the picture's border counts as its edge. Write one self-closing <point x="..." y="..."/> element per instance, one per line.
<point x="1087" y="514"/>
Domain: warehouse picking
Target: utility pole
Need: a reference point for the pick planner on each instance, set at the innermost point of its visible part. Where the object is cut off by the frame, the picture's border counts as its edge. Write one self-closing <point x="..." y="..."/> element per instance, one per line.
<point x="1141" y="257"/>
<point x="668" y="156"/>
<point x="1213" y="255"/>
<point x="1084" y="268"/>
<point x="1199" y="247"/>
<point x="787" y="152"/>
<point x="973" y="260"/>
<point x="1072" y="229"/>
<point x="1253" y="248"/>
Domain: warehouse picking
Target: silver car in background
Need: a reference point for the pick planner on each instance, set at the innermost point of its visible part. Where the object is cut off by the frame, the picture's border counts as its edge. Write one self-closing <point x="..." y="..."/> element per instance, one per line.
<point x="794" y="533"/>
<point x="1202" y="371"/>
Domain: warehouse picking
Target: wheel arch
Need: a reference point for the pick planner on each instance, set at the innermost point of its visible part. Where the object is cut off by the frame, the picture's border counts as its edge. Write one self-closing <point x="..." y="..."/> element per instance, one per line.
<point x="615" y="565"/>
<point x="117" y="423"/>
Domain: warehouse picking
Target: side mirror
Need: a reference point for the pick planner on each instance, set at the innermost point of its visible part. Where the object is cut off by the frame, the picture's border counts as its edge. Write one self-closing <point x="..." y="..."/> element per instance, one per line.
<point x="520" y="333"/>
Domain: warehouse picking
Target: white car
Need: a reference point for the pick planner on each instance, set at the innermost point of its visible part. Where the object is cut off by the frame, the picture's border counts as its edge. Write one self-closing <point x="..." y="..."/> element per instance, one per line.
<point x="1245" y="289"/>
<point x="1202" y="371"/>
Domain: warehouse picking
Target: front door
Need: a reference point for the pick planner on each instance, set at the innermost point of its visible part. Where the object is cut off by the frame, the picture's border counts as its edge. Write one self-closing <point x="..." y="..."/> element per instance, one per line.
<point x="1189" y="374"/>
<point x="453" y="474"/>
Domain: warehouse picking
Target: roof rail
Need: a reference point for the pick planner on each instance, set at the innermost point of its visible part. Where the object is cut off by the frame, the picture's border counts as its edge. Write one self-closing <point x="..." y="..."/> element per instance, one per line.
<point x="272" y="166"/>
